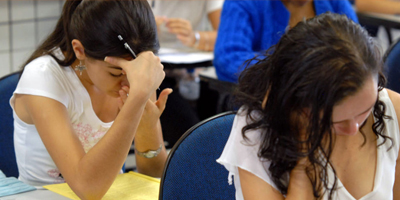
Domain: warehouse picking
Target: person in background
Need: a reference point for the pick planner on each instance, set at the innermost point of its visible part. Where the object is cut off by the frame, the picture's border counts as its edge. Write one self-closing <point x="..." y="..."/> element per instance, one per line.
<point x="186" y="26"/>
<point x="381" y="6"/>
<point x="249" y="27"/>
<point x="315" y="120"/>
<point x="83" y="98"/>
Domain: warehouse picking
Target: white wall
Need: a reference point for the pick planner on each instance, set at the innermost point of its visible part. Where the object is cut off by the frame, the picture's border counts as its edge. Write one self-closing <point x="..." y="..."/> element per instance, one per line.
<point x="23" y="25"/>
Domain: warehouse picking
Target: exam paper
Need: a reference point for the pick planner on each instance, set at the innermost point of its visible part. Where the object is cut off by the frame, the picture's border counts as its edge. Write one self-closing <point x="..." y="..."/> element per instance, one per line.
<point x="184" y="56"/>
<point x="131" y="185"/>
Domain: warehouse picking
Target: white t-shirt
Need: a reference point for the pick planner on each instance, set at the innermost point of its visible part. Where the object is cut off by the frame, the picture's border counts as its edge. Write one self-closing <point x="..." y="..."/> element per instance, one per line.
<point x="238" y="153"/>
<point x="195" y="11"/>
<point x="44" y="77"/>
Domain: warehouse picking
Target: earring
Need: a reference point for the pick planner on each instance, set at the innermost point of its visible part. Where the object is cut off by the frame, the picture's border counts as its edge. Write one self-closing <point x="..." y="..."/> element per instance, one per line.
<point x="80" y="67"/>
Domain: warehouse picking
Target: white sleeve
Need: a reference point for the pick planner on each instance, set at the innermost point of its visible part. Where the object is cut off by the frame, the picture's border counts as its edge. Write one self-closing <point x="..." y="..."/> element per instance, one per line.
<point x="243" y="153"/>
<point x="43" y="77"/>
<point x="212" y="5"/>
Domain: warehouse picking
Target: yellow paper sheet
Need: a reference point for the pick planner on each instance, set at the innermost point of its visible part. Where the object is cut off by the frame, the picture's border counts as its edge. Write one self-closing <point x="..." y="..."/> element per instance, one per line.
<point x="130" y="186"/>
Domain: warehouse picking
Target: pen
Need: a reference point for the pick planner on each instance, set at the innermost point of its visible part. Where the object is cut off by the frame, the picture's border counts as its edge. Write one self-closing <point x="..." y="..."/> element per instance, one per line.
<point x="126" y="45"/>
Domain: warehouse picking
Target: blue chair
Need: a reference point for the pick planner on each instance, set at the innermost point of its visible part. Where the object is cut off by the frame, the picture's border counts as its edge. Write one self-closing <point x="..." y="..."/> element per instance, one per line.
<point x="191" y="170"/>
<point x="392" y="66"/>
<point x="8" y="163"/>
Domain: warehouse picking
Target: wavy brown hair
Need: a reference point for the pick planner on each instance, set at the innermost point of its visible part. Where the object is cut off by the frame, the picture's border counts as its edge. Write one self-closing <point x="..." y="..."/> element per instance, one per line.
<point x="315" y="65"/>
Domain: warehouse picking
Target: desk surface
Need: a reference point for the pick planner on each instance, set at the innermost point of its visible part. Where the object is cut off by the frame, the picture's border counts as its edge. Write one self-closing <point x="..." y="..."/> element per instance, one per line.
<point x="394" y="18"/>
<point x="377" y="19"/>
<point x="185" y="58"/>
<point x="41" y="194"/>
<point x="209" y="75"/>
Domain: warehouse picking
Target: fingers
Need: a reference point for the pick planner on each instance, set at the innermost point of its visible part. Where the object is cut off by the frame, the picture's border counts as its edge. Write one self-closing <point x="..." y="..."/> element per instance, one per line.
<point x="186" y="40"/>
<point x="162" y="99"/>
<point x="177" y="21"/>
<point x="120" y="62"/>
<point x="120" y="103"/>
<point x="123" y="95"/>
<point x="160" y="20"/>
<point x="180" y="31"/>
<point x="179" y="26"/>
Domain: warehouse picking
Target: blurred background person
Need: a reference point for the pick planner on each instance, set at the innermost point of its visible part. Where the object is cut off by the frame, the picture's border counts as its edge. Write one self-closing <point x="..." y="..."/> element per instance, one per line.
<point x="184" y="26"/>
<point x="249" y="27"/>
<point x="378" y="6"/>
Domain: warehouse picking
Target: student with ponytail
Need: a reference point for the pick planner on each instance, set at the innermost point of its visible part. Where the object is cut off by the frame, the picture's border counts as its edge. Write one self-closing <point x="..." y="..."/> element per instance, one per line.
<point x="83" y="98"/>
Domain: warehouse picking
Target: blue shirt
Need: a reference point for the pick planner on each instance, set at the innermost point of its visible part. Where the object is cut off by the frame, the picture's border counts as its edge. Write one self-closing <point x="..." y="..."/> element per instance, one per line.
<point x="251" y="26"/>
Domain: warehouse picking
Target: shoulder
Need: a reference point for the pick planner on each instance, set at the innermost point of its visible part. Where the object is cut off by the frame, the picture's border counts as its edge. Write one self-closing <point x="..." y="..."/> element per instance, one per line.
<point x="251" y="141"/>
<point x="392" y="103"/>
<point x="242" y="119"/>
<point x="249" y="5"/>
<point x="394" y="99"/>
<point x="394" y="133"/>
<point x="45" y="77"/>
<point x="45" y="70"/>
<point x="44" y="64"/>
<point x="214" y="5"/>
<point x="243" y="153"/>
<point x="343" y="7"/>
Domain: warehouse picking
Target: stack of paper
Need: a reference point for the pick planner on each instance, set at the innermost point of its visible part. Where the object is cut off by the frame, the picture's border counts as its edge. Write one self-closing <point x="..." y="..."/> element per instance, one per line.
<point x="175" y="56"/>
<point x="130" y="186"/>
<point x="11" y="185"/>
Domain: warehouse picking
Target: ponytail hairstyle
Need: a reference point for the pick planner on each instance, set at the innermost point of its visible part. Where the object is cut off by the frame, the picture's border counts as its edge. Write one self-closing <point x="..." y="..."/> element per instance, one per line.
<point x="97" y="24"/>
<point x="314" y="66"/>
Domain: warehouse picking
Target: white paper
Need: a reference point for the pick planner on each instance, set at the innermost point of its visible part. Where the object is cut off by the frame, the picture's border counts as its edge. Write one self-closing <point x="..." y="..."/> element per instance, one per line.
<point x="184" y="56"/>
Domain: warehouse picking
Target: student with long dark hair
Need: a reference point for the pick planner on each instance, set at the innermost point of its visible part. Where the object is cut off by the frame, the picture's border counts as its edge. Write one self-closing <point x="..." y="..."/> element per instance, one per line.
<point x="316" y="121"/>
<point x="86" y="94"/>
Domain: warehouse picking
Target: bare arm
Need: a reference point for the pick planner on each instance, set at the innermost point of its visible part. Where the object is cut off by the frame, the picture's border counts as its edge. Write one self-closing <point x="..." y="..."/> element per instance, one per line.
<point x="208" y="38"/>
<point x="395" y="98"/>
<point x="396" y="187"/>
<point x="149" y="137"/>
<point x="378" y="6"/>
<point x="91" y="174"/>
<point x="254" y="188"/>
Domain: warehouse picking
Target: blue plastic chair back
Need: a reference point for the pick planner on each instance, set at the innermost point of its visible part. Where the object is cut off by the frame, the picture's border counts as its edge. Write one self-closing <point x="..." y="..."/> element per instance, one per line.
<point x="191" y="170"/>
<point x="392" y="66"/>
<point x="8" y="163"/>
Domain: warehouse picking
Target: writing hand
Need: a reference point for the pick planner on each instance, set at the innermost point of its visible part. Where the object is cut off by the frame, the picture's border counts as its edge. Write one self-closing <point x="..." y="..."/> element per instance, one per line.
<point x="159" y="21"/>
<point x="182" y="29"/>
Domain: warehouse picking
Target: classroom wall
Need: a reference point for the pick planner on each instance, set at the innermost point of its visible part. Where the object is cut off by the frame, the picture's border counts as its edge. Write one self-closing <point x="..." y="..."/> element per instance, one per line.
<point x="23" y="25"/>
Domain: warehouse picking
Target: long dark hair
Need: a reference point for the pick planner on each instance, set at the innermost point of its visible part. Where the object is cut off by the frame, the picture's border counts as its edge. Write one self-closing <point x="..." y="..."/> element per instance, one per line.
<point x="97" y="24"/>
<point x="315" y="65"/>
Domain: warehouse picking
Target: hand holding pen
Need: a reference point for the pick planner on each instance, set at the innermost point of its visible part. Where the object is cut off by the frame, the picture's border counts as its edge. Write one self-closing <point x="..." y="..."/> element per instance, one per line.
<point x="127" y="47"/>
<point x="144" y="73"/>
